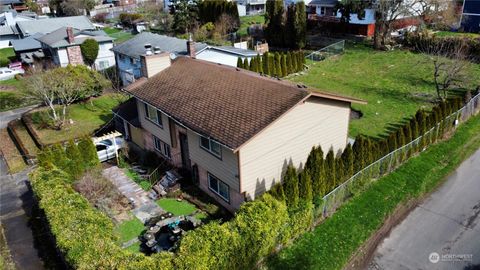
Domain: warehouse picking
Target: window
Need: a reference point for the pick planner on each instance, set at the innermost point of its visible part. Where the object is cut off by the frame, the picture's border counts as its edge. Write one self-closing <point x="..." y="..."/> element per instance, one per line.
<point x="103" y="64"/>
<point x="101" y="147"/>
<point x="162" y="147"/>
<point x="219" y="187"/>
<point x="211" y="146"/>
<point x="153" y="115"/>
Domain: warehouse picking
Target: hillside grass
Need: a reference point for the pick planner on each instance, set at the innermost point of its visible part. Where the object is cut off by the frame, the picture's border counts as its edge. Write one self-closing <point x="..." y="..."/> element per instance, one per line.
<point x="332" y="243"/>
<point x="395" y="83"/>
<point x="246" y="21"/>
<point x="87" y="117"/>
<point x="120" y="36"/>
<point x="5" y="55"/>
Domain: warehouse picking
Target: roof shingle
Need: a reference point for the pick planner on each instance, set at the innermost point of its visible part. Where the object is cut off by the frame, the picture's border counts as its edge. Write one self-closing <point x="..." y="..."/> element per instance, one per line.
<point x="228" y="104"/>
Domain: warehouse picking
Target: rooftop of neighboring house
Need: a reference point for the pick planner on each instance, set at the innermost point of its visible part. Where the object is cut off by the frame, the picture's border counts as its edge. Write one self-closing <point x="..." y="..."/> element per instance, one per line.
<point x="323" y="3"/>
<point x="136" y="46"/>
<point x="227" y="104"/>
<point x="59" y="37"/>
<point x="27" y="44"/>
<point x="51" y="24"/>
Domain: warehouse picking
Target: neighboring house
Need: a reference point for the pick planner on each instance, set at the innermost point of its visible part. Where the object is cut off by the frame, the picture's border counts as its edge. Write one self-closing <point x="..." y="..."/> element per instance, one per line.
<point x="8" y="25"/>
<point x="127" y="54"/>
<point x="28" y="50"/>
<point x="253" y="7"/>
<point x="233" y="129"/>
<point x="325" y="12"/>
<point x="62" y="46"/>
<point x="45" y="26"/>
<point x="471" y="16"/>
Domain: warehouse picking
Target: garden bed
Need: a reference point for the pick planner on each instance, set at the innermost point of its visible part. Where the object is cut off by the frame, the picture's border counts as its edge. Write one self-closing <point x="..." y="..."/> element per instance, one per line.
<point x="12" y="156"/>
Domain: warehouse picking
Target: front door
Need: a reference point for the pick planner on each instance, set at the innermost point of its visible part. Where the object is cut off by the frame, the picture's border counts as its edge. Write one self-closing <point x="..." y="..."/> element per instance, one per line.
<point x="184" y="151"/>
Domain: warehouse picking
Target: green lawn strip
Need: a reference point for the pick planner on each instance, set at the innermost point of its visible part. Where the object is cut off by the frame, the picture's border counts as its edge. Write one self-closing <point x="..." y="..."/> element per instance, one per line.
<point x="333" y="242"/>
<point x="129" y="229"/>
<point x="5" y="55"/>
<point x="395" y="84"/>
<point x="25" y="137"/>
<point x="456" y="34"/>
<point x="175" y="207"/>
<point x="144" y="184"/>
<point x="134" y="247"/>
<point x="10" y="153"/>
<point x="119" y="35"/>
<point x="87" y="117"/>
<point x="246" y="21"/>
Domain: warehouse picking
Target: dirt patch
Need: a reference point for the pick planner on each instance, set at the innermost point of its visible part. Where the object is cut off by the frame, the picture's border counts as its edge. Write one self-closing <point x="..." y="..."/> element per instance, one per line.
<point x="355" y="114"/>
<point x="364" y="254"/>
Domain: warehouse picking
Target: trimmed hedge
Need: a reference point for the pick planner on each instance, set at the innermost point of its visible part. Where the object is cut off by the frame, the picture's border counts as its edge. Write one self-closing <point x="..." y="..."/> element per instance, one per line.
<point x="275" y="64"/>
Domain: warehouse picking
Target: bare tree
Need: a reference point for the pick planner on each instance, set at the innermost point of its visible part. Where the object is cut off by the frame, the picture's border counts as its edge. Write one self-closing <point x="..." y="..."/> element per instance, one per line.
<point x="40" y="89"/>
<point x="449" y="61"/>
<point x="386" y="13"/>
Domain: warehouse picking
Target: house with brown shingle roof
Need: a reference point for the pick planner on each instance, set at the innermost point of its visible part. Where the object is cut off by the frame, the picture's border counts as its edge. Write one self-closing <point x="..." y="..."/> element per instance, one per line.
<point x="235" y="130"/>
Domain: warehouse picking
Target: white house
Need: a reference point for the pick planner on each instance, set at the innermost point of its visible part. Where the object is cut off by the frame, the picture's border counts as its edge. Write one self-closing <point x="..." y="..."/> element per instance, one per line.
<point x="63" y="47"/>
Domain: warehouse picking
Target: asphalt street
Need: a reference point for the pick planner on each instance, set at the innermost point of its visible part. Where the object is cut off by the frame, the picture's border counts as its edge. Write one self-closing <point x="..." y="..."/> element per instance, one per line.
<point x="441" y="233"/>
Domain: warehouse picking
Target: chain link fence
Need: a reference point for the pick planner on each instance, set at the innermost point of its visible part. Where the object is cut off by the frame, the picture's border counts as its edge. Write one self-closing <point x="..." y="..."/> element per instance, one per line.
<point x="358" y="182"/>
<point x="331" y="50"/>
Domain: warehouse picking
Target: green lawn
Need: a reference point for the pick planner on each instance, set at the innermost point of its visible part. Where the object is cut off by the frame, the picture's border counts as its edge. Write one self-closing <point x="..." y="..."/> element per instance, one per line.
<point x="119" y="35"/>
<point x="333" y="242"/>
<point x="456" y="34"/>
<point x="135" y="248"/>
<point x="5" y="54"/>
<point x="175" y="207"/>
<point x="129" y="229"/>
<point x="10" y="153"/>
<point x="87" y="117"/>
<point x="395" y="84"/>
<point x="11" y="98"/>
<point x="246" y="21"/>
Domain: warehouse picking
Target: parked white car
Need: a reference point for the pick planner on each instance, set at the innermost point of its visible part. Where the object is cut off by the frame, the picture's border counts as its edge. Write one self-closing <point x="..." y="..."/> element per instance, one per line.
<point x="7" y="73"/>
<point x="106" y="148"/>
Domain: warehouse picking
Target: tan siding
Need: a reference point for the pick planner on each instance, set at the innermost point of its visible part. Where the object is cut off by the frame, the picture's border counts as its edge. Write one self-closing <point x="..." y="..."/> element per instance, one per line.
<point x="153" y="64"/>
<point x="162" y="134"/>
<point x="137" y="136"/>
<point x="225" y="169"/>
<point x="290" y="139"/>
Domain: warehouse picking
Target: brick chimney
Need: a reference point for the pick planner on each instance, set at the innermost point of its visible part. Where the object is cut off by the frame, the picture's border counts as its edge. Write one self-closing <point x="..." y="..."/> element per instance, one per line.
<point x="70" y="36"/>
<point x="191" y="47"/>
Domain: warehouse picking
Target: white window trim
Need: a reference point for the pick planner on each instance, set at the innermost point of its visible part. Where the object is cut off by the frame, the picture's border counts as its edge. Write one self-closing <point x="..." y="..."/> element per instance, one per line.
<point x="219" y="155"/>
<point x="163" y="146"/>
<point x="209" y="176"/>
<point x="159" y="121"/>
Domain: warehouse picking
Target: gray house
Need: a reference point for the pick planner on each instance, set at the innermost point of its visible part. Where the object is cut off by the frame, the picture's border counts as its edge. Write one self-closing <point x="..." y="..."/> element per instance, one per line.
<point x="127" y="54"/>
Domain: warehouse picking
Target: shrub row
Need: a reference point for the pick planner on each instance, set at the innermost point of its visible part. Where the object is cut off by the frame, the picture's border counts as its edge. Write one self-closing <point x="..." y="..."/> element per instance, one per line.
<point x="323" y="174"/>
<point x="333" y="242"/>
<point x="428" y="42"/>
<point x="274" y="64"/>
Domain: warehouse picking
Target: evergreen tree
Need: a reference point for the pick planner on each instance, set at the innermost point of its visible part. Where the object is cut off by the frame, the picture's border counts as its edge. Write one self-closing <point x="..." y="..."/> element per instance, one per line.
<point x="300" y="26"/>
<point x="348" y="161"/>
<point x="260" y="64"/>
<point x="76" y="161"/>
<point x="299" y="61"/>
<point x="252" y="65"/>
<point x="289" y="63"/>
<point x="294" y="62"/>
<point x="392" y="142"/>
<point x="330" y="170"/>
<point x="316" y="168"/>
<point x="339" y="171"/>
<point x="274" y="29"/>
<point x="290" y="182"/>
<point x="358" y="153"/>
<point x="271" y="65"/>
<point x="420" y="117"/>
<point x="278" y="65"/>
<point x="284" y="65"/>
<point x="266" y="69"/>
<point x="246" y="64"/>
<point x="59" y="157"/>
<point x="305" y="186"/>
<point x="239" y="62"/>
<point x="89" y="152"/>
<point x="45" y="158"/>
<point x="277" y="192"/>
<point x="414" y="128"/>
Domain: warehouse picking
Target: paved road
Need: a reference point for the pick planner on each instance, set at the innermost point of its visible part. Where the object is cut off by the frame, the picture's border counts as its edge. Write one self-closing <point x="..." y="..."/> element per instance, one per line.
<point x="447" y="223"/>
<point x="8" y="116"/>
<point x="15" y="209"/>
